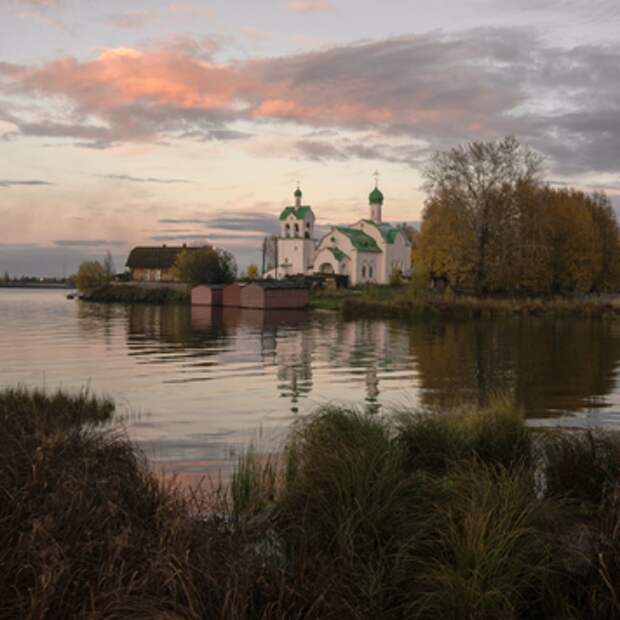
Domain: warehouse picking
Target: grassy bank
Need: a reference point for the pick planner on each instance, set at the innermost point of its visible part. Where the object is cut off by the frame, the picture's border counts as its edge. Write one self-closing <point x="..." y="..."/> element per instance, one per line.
<point x="405" y="302"/>
<point x="463" y="515"/>
<point x="127" y="294"/>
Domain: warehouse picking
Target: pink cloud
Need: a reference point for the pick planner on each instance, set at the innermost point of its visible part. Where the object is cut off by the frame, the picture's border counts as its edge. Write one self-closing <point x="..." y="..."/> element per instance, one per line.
<point x="181" y="81"/>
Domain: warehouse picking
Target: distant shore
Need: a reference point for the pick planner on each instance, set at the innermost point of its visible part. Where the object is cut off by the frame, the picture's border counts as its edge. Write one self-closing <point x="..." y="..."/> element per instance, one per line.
<point x="60" y="285"/>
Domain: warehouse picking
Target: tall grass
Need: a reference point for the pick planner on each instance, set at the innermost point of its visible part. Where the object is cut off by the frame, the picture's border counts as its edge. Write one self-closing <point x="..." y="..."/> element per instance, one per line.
<point x="414" y="515"/>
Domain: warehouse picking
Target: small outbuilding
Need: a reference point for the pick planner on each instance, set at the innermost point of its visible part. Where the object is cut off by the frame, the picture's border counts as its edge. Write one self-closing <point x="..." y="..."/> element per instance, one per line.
<point x="232" y="294"/>
<point x="274" y="294"/>
<point x="208" y="295"/>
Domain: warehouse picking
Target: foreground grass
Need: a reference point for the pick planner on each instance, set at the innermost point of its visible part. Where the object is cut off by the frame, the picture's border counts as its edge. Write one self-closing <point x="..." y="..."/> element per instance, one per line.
<point x="464" y="514"/>
<point x="407" y="302"/>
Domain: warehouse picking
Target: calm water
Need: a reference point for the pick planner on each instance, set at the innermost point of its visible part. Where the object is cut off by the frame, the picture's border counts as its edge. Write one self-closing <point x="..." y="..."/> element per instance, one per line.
<point x="195" y="386"/>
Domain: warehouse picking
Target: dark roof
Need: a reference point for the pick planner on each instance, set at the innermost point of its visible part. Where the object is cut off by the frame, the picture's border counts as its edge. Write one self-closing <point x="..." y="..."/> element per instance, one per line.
<point x="159" y="257"/>
<point x="280" y="284"/>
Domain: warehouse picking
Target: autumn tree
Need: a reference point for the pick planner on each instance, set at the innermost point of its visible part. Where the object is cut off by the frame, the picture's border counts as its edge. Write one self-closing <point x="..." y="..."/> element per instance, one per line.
<point x="252" y="272"/>
<point x="480" y="180"/>
<point x="206" y="265"/>
<point x="91" y="274"/>
<point x="446" y="245"/>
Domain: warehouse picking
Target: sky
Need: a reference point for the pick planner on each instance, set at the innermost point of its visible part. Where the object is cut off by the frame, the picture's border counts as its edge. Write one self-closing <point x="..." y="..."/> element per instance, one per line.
<point x="143" y="122"/>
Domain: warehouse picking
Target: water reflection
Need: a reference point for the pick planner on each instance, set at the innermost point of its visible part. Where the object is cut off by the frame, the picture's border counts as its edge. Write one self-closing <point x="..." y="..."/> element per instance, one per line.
<point x="551" y="366"/>
<point x="206" y="381"/>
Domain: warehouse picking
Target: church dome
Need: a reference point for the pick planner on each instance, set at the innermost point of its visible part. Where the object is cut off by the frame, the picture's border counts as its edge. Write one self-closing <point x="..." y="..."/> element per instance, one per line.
<point x="297" y="193"/>
<point x="375" y="197"/>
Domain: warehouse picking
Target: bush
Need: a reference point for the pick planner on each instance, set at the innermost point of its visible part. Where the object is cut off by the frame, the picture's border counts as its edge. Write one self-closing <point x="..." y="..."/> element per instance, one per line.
<point x="91" y="274"/>
<point x="414" y="515"/>
<point x="206" y="265"/>
<point x="495" y="435"/>
<point x="584" y="466"/>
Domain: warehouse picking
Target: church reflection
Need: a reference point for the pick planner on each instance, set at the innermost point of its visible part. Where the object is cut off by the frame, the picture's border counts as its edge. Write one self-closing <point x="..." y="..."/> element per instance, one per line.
<point x="551" y="367"/>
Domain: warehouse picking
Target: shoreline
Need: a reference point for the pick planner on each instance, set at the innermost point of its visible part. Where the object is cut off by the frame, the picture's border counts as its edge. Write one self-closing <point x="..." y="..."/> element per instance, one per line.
<point x="392" y="303"/>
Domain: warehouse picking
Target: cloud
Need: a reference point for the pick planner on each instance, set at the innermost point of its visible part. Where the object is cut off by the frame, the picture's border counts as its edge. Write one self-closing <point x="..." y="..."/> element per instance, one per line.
<point x="307" y="6"/>
<point x="127" y="20"/>
<point x="13" y="183"/>
<point x="265" y="223"/>
<point x="179" y="237"/>
<point x="432" y="91"/>
<point x="182" y="221"/>
<point x="126" y="177"/>
<point x="88" y="243"/>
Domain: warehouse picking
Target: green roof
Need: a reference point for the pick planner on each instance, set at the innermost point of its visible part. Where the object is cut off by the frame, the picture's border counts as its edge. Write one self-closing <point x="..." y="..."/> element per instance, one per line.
<point x="338" y="253"/>
<point x="375" y="197"/>
<point x="388" y="232"/>
<point x="360" y="240"/>
<point x="298" y="212"/>
<point x="297" y="193"/>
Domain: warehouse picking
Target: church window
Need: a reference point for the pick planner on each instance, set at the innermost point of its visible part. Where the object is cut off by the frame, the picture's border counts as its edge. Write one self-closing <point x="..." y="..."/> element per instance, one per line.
<point x="307" y="235"/>
<point x="307" y="224"/>
<point x="363" y="271"/>
<point x="370" y="271"/>
<point x="296" y="229"/>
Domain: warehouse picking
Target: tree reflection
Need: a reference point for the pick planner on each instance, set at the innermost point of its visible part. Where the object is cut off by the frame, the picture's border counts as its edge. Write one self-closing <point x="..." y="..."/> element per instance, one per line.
<point x="551" y="366"/>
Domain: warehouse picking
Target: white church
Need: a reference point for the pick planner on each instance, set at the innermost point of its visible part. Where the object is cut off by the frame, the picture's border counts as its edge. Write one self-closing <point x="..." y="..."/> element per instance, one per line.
<point x="367" y="251"/>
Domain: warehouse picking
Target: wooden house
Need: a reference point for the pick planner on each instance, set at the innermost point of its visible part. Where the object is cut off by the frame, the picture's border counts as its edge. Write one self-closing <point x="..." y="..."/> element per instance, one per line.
<point x="155" y="264"/>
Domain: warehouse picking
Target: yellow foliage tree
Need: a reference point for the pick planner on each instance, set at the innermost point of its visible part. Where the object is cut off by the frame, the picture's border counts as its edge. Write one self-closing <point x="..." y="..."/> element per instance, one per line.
<point x="252" y="272"/>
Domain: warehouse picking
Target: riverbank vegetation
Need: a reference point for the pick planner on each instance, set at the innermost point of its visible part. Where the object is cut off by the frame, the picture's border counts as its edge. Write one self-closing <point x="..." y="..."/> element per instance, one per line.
<point x="137" y="293"/>
<point x="409" y="302"/>
<point x="461" y="514"/>
<point x="490" y="225"/>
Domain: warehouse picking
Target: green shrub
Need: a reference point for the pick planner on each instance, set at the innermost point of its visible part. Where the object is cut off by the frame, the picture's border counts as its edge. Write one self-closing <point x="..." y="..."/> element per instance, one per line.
<point x="496" y="435"/>
<point x="584" y="466"/>
<point x="492" y="557"/>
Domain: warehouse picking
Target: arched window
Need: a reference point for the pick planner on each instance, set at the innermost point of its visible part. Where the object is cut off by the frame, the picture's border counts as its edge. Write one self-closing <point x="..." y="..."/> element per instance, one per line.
<point x="370" y="272"/>
<point x="296" y="230"/>
<point x="363" y="271"/>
